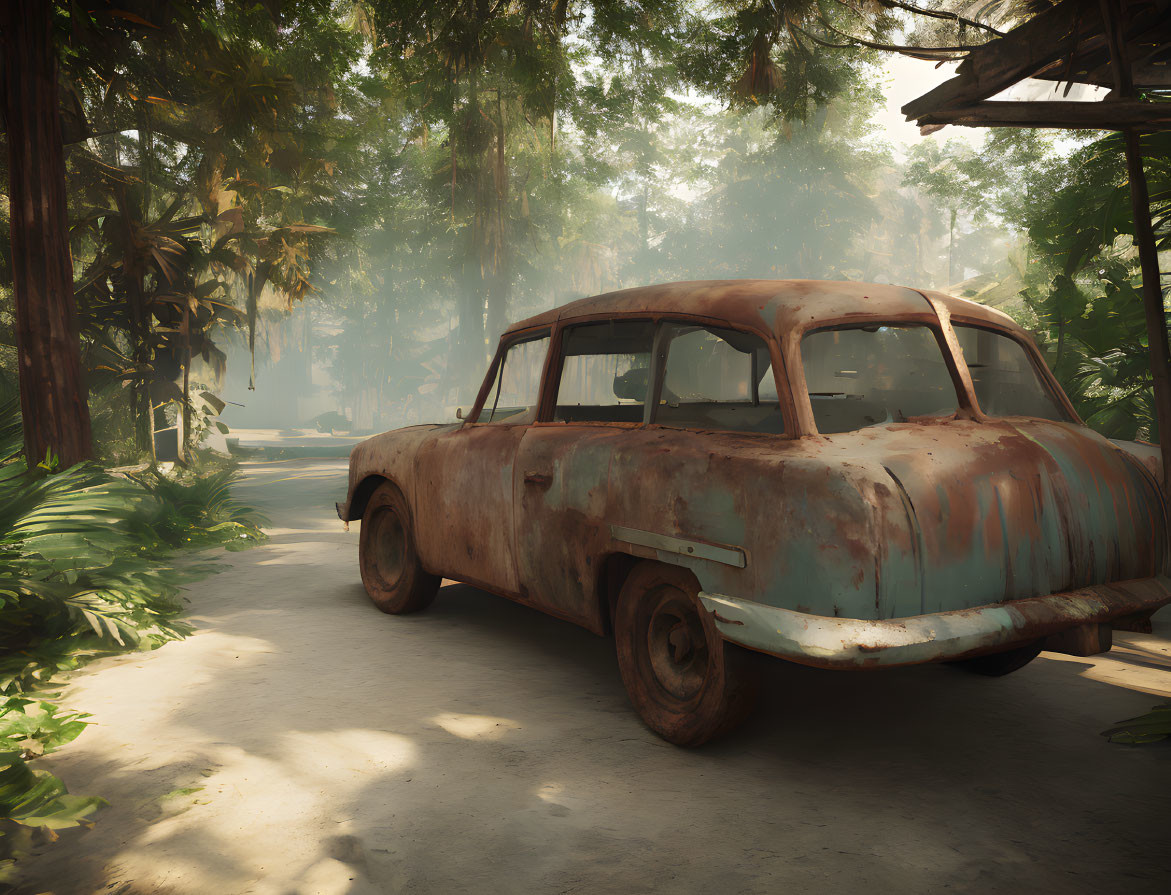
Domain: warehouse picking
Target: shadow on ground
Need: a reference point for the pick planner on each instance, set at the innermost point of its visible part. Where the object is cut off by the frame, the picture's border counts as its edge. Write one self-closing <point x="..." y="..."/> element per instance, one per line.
<point x="303" y="742"/>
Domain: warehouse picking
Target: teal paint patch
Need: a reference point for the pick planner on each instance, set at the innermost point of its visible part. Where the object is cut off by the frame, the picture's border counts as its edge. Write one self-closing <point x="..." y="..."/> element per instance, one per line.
<point x="709" y="513"/>
<point x="581" y="473"/>
<point x="824" y="560"/>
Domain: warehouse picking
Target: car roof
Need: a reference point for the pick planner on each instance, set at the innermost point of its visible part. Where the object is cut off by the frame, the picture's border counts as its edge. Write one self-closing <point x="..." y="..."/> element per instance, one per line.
<point x="776" y="305"/>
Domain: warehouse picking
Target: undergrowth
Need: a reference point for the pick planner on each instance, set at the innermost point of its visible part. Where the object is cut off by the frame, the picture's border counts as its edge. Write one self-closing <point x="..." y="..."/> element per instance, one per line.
<point x="1153" y="727"/>
<point x="91" y="564"/>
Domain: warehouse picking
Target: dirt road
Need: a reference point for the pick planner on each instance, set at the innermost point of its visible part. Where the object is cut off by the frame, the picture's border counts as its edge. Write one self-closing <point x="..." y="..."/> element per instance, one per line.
<point x="302" y="742"/>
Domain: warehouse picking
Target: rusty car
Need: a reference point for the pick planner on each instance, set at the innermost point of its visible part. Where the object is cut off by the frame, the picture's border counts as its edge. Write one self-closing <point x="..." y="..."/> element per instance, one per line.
<point x="843" y="475"/>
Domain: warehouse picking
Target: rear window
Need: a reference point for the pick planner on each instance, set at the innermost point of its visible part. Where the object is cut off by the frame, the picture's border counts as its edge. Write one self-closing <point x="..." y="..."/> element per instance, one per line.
<point x="861" y="376"/>
<point x="1005" y="380"/>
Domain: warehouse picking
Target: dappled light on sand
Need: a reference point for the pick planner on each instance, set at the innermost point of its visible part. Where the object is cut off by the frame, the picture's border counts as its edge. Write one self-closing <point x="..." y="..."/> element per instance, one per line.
<point x="475" y="727"/>
<point x="243" y="803"/>
<point x="1139" y="662"/>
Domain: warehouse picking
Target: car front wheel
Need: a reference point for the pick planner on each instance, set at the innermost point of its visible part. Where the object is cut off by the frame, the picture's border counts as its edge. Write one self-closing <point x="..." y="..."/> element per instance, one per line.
<point x="391" y="572"/>
<point x="686" y="683"/>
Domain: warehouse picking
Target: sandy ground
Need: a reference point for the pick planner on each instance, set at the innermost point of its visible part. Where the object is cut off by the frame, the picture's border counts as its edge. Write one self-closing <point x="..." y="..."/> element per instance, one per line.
<point x="302" y="742"/>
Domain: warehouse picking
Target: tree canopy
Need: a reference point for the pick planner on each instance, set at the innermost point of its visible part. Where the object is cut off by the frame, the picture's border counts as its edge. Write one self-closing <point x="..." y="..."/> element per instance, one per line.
<point x="422" y="173"/>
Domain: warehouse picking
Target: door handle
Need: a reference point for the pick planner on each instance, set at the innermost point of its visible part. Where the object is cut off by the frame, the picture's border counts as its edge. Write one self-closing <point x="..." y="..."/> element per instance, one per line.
<point x="539" y="479"/>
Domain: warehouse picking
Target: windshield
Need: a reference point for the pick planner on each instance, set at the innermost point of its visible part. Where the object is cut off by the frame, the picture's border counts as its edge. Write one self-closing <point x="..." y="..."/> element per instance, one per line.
<point x="861" y="376"/>
<point x="1005" y="380"/>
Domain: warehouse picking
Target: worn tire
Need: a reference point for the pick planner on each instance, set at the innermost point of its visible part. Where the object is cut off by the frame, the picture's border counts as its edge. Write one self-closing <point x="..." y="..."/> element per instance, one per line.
<point x="684" y="681"/>
<point x="395" y="580"/>
<point x="1000" y="664"/>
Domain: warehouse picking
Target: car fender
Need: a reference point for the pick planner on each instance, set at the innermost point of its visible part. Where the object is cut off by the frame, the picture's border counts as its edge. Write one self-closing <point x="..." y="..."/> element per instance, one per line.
<point x="390" y="456"/>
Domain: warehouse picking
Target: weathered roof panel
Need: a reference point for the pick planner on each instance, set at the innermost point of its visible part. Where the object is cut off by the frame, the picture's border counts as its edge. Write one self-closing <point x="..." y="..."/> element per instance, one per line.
<point x="775" y="305"/>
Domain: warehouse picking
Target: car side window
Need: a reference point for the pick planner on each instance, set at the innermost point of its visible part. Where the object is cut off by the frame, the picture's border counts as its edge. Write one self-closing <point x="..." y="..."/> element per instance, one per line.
<point x="717" y="379"/>
<point x="605" y="371"/>
<point x="517" y="386"/>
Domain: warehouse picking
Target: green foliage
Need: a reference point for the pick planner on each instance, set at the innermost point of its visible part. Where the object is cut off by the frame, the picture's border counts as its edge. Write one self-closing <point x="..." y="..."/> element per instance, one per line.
<point x="35" y="804"/>
<point x="1095" y="335"/>
<point x="1152" y="727"/>
<point x="194" y="510"/>
<point x="1082" y="285"/>
<point x="85" y="571"/>
<point x="76" y="572"/>
<point x="34" y="727"/>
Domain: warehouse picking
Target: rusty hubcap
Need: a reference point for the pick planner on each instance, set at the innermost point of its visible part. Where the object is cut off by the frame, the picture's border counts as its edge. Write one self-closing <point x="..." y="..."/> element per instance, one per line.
<point x="677" y="646"/>
<point x="389" y="541"/>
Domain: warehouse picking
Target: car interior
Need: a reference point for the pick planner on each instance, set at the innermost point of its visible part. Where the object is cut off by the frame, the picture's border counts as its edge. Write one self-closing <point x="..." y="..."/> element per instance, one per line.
<point x="711" y="378"/>
<point x="604" y="371"/>
<point x="718" y="379"/>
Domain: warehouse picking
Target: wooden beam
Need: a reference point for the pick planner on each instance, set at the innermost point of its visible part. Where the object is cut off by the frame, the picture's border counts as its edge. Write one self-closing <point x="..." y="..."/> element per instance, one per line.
<point x="1002" y="62"/>
<point x="1042" y="47"/>
<point x="1148" y="70"/>
<point x="1109" y="115"/>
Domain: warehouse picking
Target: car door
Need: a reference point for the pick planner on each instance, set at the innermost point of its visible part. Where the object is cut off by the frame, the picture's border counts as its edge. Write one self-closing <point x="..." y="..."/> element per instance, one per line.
<point x="599" y="479"/>
<point x="600" y="387"/>
<point x="464" y="496"/>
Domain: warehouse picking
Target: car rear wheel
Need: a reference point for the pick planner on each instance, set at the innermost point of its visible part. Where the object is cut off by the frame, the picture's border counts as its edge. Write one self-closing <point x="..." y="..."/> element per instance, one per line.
<point x="394" y="578"/>
<point x="1000" y="664"/>
<point x="686" y="683"/>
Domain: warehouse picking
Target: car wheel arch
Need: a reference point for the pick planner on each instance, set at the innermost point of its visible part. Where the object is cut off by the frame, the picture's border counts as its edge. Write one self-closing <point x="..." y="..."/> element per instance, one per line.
<point x="362" y="493"/>
<point x="613" y="571"/>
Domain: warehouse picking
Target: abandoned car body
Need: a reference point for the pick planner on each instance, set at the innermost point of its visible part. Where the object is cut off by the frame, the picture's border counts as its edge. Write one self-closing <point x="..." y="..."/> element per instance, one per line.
<point x="843" y="475"/>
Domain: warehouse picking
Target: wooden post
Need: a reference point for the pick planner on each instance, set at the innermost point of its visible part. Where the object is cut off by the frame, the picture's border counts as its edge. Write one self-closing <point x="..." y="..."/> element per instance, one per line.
<point x="52" y="392"/>
<point x="1144" y="237"/>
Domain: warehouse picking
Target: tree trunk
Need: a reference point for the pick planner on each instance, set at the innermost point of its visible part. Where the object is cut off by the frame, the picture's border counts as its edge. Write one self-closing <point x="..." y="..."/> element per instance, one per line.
<point x="951" y="246"/>
<point x="498" y="244"/>
<point x="139" y="326"/>
<point x="52" y="392"/>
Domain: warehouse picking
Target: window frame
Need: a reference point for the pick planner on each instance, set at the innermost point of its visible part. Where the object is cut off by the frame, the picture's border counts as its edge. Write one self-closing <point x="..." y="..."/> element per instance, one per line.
<point x="1045" y="377"/>
<point x="507" y="342"/>
<point x="659" y="322"/>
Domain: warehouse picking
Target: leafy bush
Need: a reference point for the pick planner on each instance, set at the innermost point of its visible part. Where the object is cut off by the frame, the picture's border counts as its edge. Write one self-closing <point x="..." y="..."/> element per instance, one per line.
<point x="35" y="804"/>
<point x="85" y="571"/>
<point x="199" y="510"/>
<point x="1152" y="727"/>
<point x="79" y="575"/>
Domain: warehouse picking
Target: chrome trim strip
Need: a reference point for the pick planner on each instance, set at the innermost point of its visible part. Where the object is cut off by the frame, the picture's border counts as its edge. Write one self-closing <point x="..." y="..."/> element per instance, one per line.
<point x="729" y="556"/>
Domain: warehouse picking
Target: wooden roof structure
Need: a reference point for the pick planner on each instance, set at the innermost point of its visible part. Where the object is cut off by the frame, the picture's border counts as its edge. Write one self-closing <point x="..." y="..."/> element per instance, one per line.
<point x="1124" y="45"/>
<point x="1069" y="42"/>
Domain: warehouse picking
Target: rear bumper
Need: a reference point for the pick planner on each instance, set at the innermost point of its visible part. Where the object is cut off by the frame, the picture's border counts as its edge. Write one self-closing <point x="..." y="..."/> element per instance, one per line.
<point x="856" y="643"/>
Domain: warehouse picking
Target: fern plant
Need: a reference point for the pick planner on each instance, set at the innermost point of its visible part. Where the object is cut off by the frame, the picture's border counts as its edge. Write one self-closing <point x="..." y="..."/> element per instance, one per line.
<point x="86" y="571"/>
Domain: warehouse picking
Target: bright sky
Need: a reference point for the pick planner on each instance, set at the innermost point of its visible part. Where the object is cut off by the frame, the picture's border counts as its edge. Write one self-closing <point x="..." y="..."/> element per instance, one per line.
<point x="907" y="79"/>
